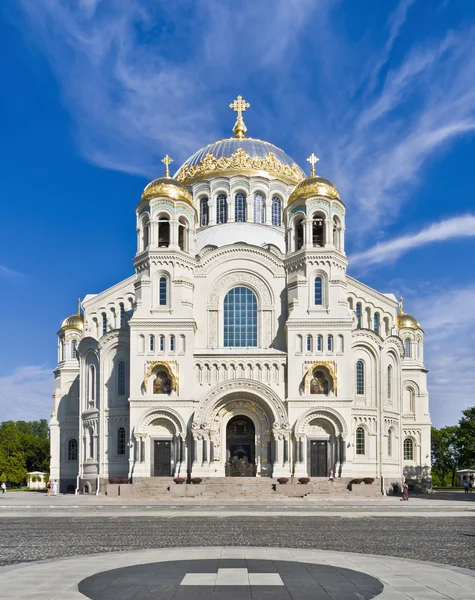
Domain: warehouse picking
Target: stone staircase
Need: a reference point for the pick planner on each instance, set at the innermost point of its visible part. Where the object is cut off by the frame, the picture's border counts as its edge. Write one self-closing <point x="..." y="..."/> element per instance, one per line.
<point x="238" y="488"/>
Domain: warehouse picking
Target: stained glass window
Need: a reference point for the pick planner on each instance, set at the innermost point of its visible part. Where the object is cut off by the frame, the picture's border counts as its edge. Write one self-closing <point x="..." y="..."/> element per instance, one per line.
<point x="360" y="377"/>
<point x="121" y="378"/>
<point x="240" y="208"/>
<point x="221" y="209"/>
<point x="204" y="212"/>
<point x="162" y="291"/>
<point x="240" y="318"/>
<point x="121" y="440"/>
<point x="360" y="440"/>
<point x="408" y="449"/>
<point x="259" y="208"/>
<point x="276" y="211"/>
<point x="318" y="291"/>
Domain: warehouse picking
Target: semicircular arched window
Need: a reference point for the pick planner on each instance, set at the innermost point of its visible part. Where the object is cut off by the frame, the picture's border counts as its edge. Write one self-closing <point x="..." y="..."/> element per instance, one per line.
<point x="408" y="449"/>
<point x="318" y="291"/>
<point x="360" y="383"/>
<point x="73" y="449"/>
<point x="259" y="208"/>
<point x="276" y="211"/>
<point x="240" y="318"/>
<point x="121" y="440"/>
<point x="221" y="209"/>
<point x="407" y="348"/>
<point x="204" y="212"/>
<point x="121" y="378"/>
<point x="240" y="212"/>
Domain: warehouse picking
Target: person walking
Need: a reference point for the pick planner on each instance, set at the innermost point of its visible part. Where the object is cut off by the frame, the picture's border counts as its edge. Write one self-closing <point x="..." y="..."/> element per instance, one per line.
<point x="465" y="486"/>
<point x="4" y="487"/>
<point x="405" y="492"/>
<point x="332" y="476"/>
<point x="48" y="487"/>
<point x="55" y="487"/>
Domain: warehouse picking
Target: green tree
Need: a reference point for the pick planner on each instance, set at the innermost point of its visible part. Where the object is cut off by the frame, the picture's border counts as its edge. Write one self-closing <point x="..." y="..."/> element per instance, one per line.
<point x="24" y="446"/>
<point x="467" y="438"/>
<point x="446" y="452"/>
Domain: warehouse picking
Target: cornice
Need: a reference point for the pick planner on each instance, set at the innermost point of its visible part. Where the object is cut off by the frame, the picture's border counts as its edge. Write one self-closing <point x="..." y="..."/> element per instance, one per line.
<point x="371" y="292"/>
<point x="319" y="324"/>
<point x="238" y="249"/>
<point x="102" y="296"/>
<point x="165" y="324"/>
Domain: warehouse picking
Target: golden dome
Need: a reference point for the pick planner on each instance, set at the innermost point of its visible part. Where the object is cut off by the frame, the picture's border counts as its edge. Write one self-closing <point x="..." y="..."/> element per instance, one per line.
<point x="314" y="186"/>
<point x="407" y="321"/>
<point x="166" y="186"/>
<point x="73" y="322"/>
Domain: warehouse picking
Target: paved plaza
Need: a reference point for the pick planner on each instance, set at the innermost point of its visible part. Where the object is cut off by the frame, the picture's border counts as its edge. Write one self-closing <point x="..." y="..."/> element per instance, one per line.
<point x="91" y="547"/>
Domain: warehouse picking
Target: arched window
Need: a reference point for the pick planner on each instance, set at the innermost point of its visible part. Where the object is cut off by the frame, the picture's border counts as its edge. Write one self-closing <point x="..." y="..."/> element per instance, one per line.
<point x="163" y="231"/>
<point x="309" y="343"/>
<point x="298" y="343"/>
<point x="390" y="382"/>
<point x="276" y="211"/>
<point x="318" y="292"/>
<point x="121" y="378"/>
<point x="407" y="348"/>
<point x="172" y="343"/>
<point x="358" y="315"/>
<point x="390" y="442"/>
<point x="240" y="212"/>
<point x="91" y="384"/>
<point x="73" y="450"/>
<point x="204" y="212"/>
<point x="121" y="315"/>
<point x="145" y="233"/>
<point x="360" y="383"/>
<point x="104" y="323"/>
<point x="74" y="347"/>
<point x="162" y="343"/>
<point x="221" y="209"/>
<point x="162" y="291"/>
<point x="319" y="343"/>
<point x="259" y="209"/>
<point x="360" y="440"/>
<point x="336" y="233"/>
<point x="121" y="440"/>
<point x="183" y="234"/>
<point x="330" y="343"/>
<point x="240" y="318"/>
<point x="318" y="230"/>
<point x="151" y="343"/>
<point x="298" y="234"/>
<point x="141" y="346"/>
<point x="182" y="343"/>
<point x="376" y="323"/>
<point x="408" y="449"/>
<point x="341" y="343"/>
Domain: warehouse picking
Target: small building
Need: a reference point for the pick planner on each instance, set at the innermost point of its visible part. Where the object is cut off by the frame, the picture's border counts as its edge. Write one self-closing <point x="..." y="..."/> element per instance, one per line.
<point x="465" y="475"/>
<point x="36" y="480"/>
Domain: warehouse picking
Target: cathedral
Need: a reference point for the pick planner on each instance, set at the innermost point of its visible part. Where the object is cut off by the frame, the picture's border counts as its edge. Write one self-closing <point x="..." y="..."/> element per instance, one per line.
<point x="240" y="346"/>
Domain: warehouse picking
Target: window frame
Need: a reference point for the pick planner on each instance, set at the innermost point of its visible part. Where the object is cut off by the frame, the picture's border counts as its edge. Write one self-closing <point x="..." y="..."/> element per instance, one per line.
<point x="240" y="207"/>
<point x="121" y="379"/>
<point x="360" y="378"/>
<point x="73" y="449"/>
<point x="405" y="449"/>
<point x="360" y="441"/>
<point x="121" y="441"/>
<point x="204" y="214"/>
<point x="236" y="332"/>
<point x="221" y="209"/>
<point x="259" y="207"/>
<point x="276" y="211"/>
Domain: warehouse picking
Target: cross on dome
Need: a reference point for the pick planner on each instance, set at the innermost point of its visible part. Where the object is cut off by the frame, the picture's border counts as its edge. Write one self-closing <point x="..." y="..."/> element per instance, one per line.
<point x="239" y="105"/>
<point x="312" y="159"/>
<point x="167" y="162"/>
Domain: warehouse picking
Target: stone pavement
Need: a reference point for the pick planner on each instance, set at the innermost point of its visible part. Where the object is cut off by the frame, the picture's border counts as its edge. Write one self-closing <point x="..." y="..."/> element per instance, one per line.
<point x="236" y="574"/>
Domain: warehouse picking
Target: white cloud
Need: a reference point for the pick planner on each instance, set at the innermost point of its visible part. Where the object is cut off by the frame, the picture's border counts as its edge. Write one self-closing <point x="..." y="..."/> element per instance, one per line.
<point x="448" y="320"/>
<point x="391" y="250"/>
<point x="25" y="394"/>
<point x="6" y="272"/>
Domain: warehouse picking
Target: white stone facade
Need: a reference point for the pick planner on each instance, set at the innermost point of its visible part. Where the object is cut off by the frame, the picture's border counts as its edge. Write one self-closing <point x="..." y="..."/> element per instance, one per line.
<point x="147" y="384"/>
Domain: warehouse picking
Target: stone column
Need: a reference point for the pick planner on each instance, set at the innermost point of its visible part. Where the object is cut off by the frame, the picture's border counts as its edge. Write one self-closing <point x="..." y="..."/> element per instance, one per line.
<point x="184" y="456"/>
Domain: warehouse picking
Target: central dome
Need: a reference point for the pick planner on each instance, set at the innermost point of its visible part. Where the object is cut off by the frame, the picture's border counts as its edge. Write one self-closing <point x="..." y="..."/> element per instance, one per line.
<point x="245" y="155"/>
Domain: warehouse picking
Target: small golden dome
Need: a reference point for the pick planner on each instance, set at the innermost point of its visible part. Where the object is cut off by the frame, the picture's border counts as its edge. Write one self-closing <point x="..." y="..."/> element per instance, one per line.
<point x="407" y="321"/>
<point x="73" y="322"/>
<point x="314" y="186"/>
<point x="166" y="186"/>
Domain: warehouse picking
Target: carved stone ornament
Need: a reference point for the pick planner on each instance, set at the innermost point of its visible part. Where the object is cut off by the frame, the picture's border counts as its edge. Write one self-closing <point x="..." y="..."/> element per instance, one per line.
<point x="232" y="279"/>
<point x="170" y="366"/>
<point x="330" y="365"/>
<point x="239" y="161"/>
<point x="161" y="414"/>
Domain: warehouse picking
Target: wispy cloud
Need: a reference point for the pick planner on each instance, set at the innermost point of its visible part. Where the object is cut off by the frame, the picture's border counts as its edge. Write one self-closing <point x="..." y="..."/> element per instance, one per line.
<point x="391" y="250"/>
<point x="448" y="320"/>
<point x="25" y="394"/>
<point x="6" y="272"/>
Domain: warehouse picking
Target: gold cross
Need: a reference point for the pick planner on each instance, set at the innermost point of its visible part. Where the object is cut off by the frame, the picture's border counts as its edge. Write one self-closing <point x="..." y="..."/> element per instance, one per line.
<point x="312" y="159"/>
<point x="167" y="162"/>
<point x="400" y="306"/>
<point x="239" y="105"/>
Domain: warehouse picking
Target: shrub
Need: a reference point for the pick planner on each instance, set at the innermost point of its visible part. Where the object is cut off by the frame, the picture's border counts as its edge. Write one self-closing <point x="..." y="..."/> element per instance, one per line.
<point x="368" y="480"/>
<point x="304" y="480"/>
<point x="179" y="480"/>
<point x="356" y="481"/>
<point x="283" y="480"/>
<point x="196" y="480"/>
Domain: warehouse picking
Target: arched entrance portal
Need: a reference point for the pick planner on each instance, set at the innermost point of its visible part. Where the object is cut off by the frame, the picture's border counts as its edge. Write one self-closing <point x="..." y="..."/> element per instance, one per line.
<point x="240" y="447"/>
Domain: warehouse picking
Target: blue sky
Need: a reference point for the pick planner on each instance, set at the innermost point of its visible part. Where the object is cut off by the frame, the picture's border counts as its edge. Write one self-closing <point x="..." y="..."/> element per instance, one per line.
<point x="96" y="92"/>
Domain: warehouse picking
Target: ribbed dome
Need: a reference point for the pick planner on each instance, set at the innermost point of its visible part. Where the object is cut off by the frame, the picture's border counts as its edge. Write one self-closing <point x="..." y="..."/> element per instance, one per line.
<point x="73" y="322"/>
<point x="407" y="321"/>
<point x="314" y="186"/>
<point x="246" y="155"/>
<point x="166" y="186"/>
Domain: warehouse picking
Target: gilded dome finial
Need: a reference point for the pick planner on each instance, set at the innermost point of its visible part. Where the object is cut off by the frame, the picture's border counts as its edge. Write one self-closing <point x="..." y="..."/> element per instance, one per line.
<point x="79" y="306"/>
<point x="401" y="309"/>
<point x="312" y="159"/>
<point x="239" y="105"/>
<point x="167" y="162"/>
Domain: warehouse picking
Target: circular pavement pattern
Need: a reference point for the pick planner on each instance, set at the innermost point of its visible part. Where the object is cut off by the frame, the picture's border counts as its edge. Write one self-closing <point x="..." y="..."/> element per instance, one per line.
<point x="231" y="579"/>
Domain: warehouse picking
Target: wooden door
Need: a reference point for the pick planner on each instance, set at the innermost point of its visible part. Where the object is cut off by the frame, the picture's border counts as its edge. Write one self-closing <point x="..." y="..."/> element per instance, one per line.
<point x="318" y="458"/>
<point x="161" y="458"/>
